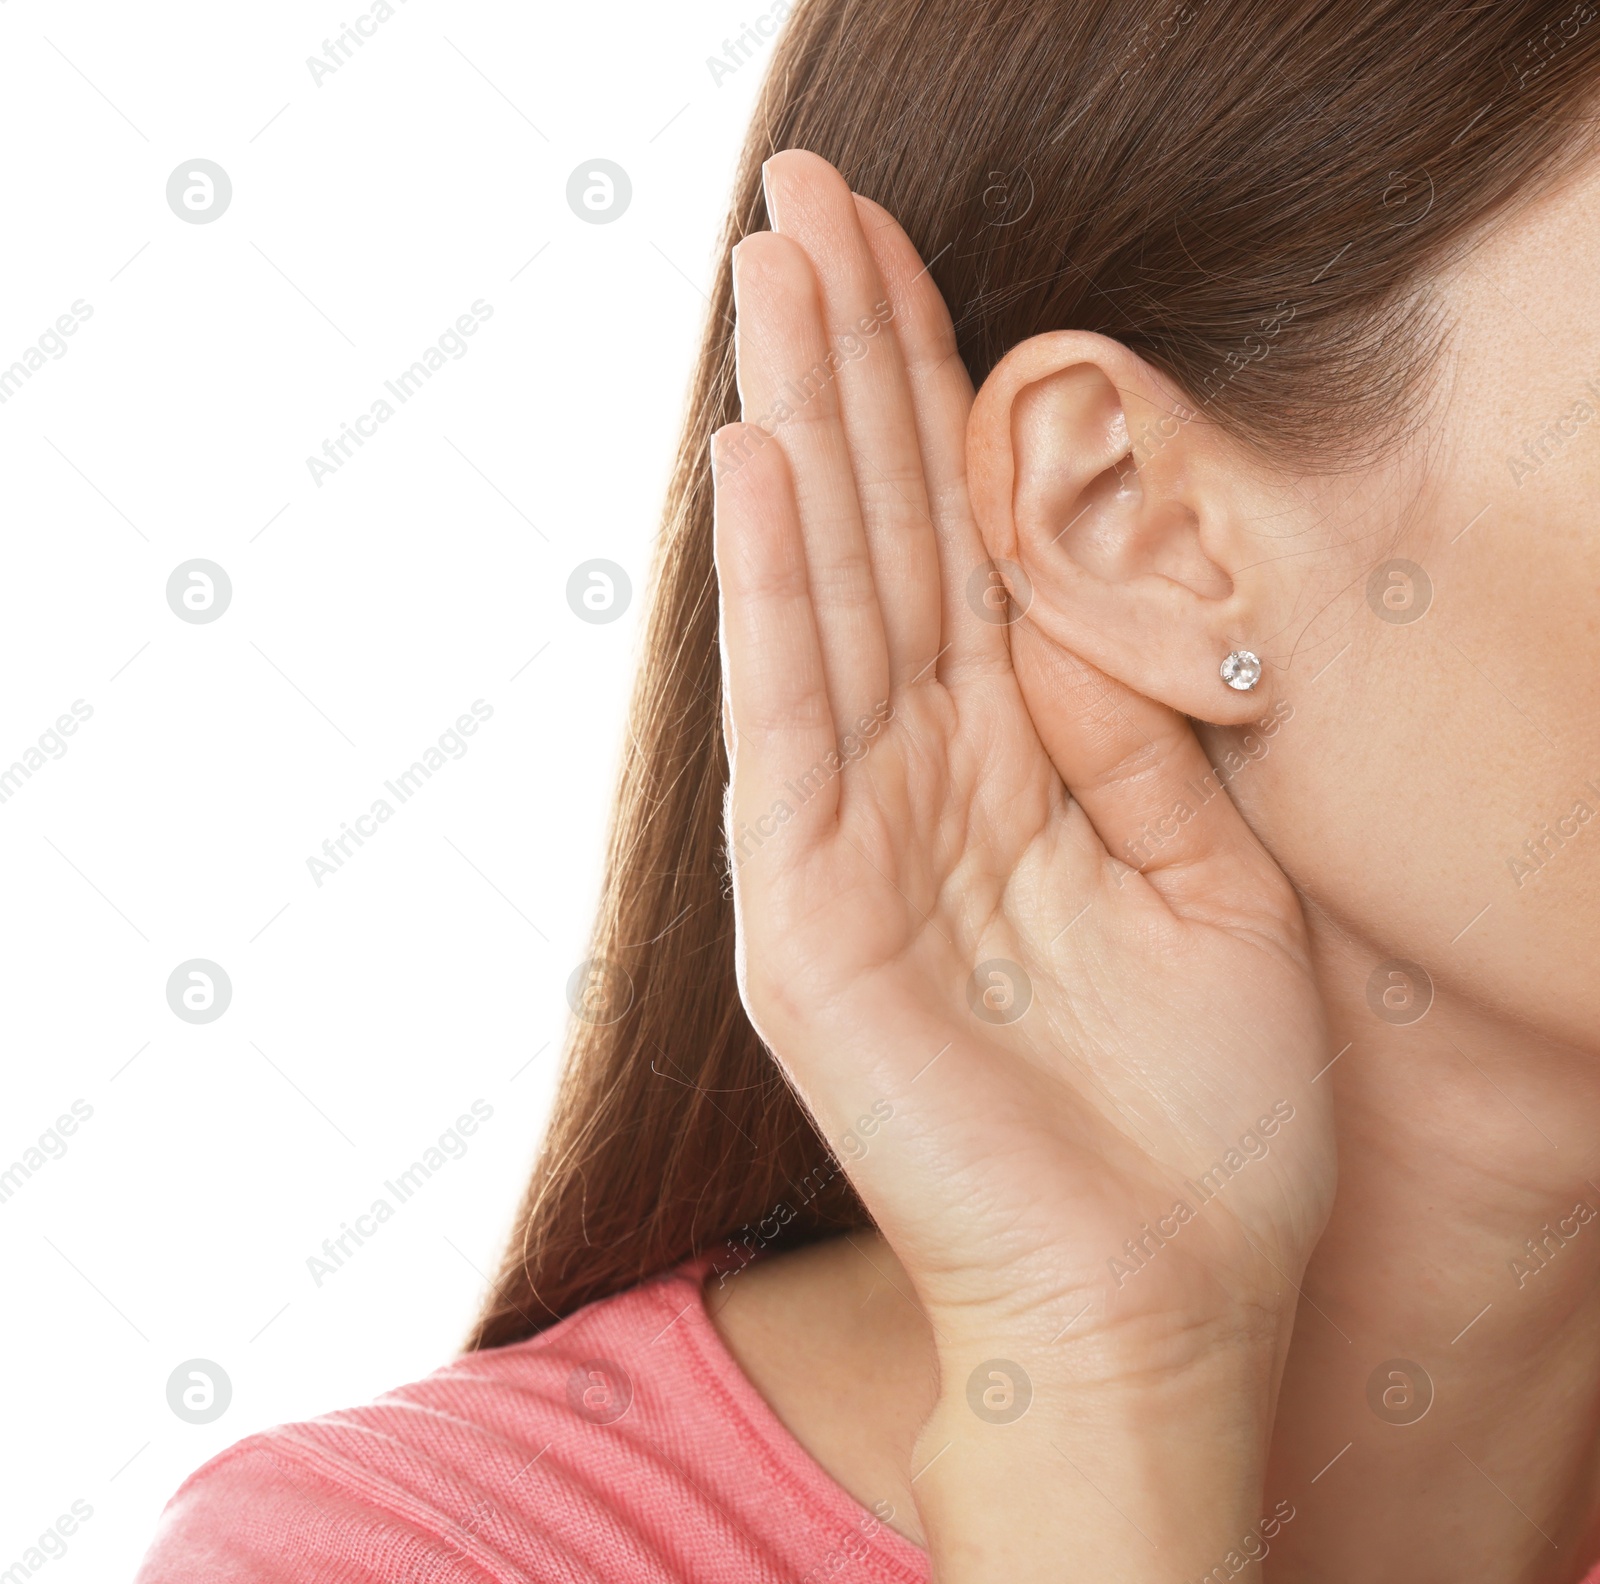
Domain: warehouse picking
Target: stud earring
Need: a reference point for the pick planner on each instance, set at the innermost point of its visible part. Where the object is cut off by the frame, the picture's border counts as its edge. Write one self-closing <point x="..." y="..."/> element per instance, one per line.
<point x="1241" y="670"/>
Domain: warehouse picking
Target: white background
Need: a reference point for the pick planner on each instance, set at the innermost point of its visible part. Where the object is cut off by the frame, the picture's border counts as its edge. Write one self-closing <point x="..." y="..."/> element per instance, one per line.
<point x="367" y="613"/>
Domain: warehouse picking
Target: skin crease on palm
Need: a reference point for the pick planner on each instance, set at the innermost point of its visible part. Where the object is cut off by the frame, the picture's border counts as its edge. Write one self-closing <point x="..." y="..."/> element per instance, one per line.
<point x="1417" y="760"/>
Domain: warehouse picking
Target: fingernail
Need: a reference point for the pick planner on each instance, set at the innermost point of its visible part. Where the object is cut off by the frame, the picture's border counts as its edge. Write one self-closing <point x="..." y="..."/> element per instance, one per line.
<point x="766" y="195"/>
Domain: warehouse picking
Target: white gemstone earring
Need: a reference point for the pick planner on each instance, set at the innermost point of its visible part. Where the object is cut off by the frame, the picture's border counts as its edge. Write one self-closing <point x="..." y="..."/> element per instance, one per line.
<point x="1241" y="670"/>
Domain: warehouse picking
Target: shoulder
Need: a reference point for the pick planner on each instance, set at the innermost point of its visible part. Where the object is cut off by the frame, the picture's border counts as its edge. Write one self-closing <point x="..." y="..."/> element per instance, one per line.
<point x="621" y="1444"/>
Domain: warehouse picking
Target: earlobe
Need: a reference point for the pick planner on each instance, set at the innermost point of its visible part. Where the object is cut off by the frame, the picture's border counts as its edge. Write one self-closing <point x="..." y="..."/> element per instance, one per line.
<point x="1121" y="506"/>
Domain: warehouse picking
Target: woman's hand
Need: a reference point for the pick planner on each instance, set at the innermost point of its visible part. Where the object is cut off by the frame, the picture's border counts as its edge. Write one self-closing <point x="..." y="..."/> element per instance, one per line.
<point x="1075" y="1096"/>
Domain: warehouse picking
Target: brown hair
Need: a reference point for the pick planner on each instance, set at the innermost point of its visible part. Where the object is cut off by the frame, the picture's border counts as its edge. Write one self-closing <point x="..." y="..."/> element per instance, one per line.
<point x="1249" y="193"/>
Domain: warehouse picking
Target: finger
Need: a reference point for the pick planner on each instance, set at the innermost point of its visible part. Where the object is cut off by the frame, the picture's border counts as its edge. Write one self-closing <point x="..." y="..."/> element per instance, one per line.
<point x="1141" y="775"/>
<point x="808" y="200"/>
<point x="788" y="391"/>
<point x="973" y="640"/>
<point x="774" y="687"/>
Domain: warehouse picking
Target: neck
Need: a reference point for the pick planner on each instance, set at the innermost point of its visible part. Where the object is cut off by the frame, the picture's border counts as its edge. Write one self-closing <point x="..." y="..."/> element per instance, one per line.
<point x="1465" y="1240"/>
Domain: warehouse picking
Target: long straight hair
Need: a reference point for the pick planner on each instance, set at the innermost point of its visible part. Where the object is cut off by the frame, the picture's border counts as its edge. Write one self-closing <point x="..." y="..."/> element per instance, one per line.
<point x="1249" y="193"/>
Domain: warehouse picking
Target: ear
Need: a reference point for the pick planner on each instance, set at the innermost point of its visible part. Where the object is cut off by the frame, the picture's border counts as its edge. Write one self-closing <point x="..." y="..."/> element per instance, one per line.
<point x="1126" y="511"/>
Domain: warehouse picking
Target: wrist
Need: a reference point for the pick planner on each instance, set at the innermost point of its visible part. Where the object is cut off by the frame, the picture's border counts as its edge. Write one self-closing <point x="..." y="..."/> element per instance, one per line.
<point x="1090" y="1338"/>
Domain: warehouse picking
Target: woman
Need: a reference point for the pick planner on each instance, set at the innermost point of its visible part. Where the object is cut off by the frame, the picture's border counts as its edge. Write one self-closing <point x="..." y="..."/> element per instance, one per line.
<point x="1149" y="774"/>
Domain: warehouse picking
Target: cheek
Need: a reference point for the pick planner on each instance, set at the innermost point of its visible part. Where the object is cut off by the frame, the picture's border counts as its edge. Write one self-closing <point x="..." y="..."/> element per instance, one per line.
<point x="1446" y="729"/>
<point x="1439" y="618"/>
<point x="1519" y="610"/>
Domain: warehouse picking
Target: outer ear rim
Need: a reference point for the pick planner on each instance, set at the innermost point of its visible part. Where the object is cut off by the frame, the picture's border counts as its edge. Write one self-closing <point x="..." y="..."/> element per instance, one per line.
<point x="991" y="476"/>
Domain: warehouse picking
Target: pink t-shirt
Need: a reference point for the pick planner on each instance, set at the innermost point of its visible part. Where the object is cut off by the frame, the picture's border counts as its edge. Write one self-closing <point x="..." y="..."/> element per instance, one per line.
<point x="622" y="1446"/>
